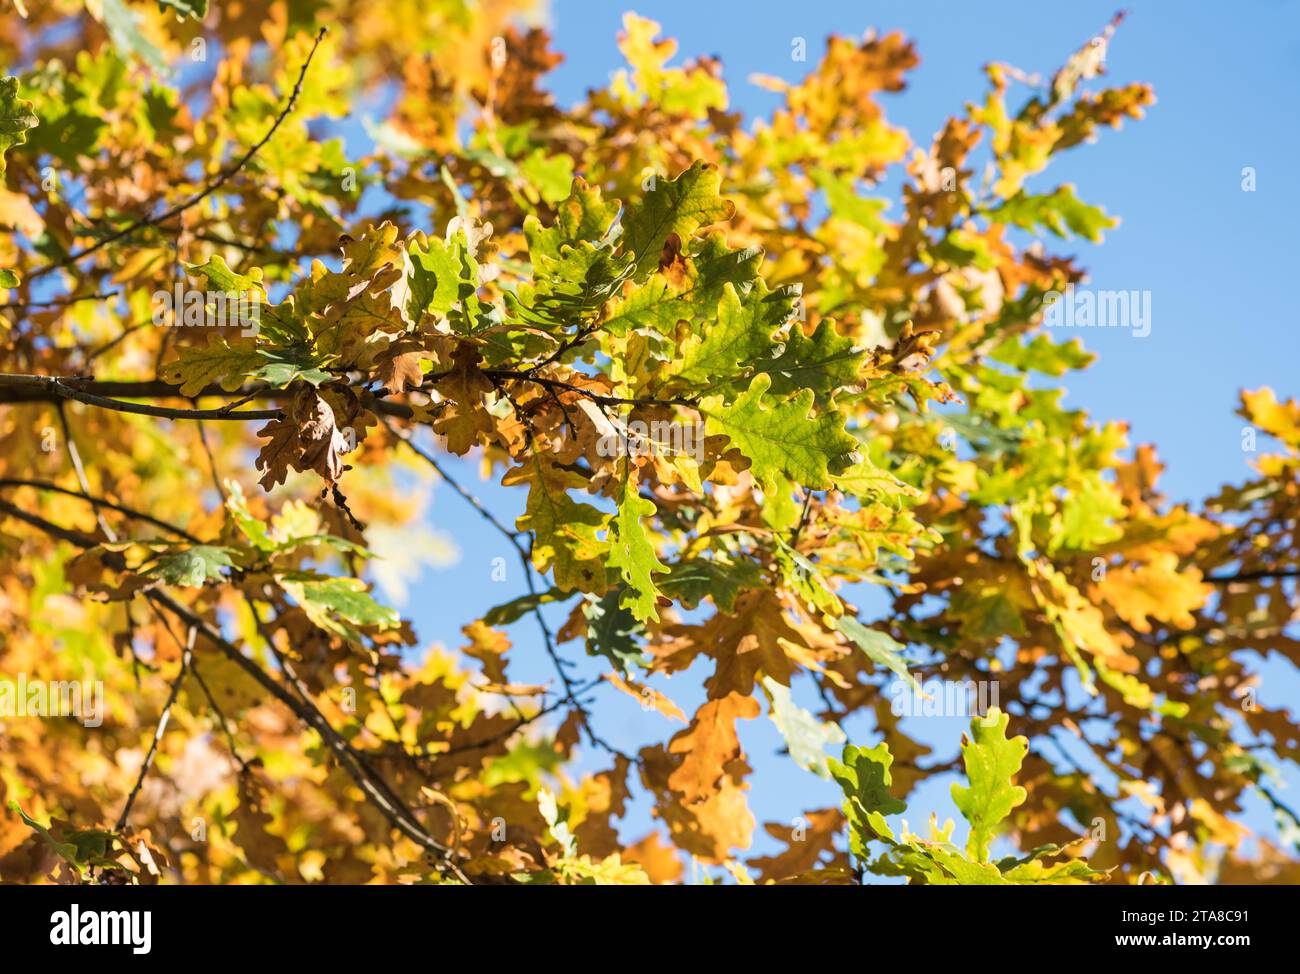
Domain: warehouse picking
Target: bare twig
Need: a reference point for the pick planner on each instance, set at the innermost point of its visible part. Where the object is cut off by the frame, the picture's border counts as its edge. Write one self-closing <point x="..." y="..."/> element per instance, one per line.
<point x="217" y="712"/>
<point x="109" y="393"/>
<point x="212" y="461"/>
<point x="571" y="691"/>
<point x="400" y="815"/>
<point x="1258" y="575"/>
<point x="57" y="302"/>
<point x="803" y="519"/>
<point x="100" y="502"/>
<point x="187" y="654"/>
<point x="224" y="177"/>
<point x="71" y="445"/>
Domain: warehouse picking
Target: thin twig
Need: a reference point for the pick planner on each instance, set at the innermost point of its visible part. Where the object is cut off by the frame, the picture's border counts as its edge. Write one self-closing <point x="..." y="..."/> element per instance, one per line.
<point x="71" y="445"/>
<point x="187" y="655"/>
<point x="221" y="717"/>
<point x="803" y="519"/>
<point x="57" y="302"/>
<point x="101" y="502"/>
<point x="470" y="499"/>
<point x="212" y="461"/>
<point x="112" y="343"/>
<point x="1254" y="576"/>
<point x="571" y="692"/>
<point x="225" y="176"/>
<point x="603" y="400"/>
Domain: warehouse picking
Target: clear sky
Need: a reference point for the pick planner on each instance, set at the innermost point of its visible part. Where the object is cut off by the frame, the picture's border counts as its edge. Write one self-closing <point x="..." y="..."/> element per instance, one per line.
<point x="1216" y="260"/>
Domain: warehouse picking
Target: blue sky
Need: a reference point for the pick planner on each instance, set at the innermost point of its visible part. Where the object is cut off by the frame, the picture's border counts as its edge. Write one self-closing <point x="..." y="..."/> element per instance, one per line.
<point x="1215" y="259"/>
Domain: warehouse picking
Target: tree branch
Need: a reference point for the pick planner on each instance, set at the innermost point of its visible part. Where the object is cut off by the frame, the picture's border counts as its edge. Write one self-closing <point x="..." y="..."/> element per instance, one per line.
<point x="595" y="397"/>
<point x="109" y="393"/>
<point x="100" y="502"/>
<point x="1254" y="576"/>
<point x="55" y="389"/>
<point x="56" y="302"/>
<point x="376" y="791"/>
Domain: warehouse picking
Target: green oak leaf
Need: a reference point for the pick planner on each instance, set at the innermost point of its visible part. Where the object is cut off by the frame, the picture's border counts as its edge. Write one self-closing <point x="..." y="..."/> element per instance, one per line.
<point x="550" y="173"/>
<point x="1069" y="873"/>
<point x="222" y="278"/>
<point x="847" y="203"/>
<point x="1044" y="355"/>
<point x="193" y="566"/>
<point x="631" y="553"/>
<point x="801" y="575"/>
<point x="880" y="646"/>
<point x="612" y="631"/>
<point x="1089" y="518"/>
<point x="678" y="206"/>
<point x="332" y="603"/>
<point x="79" y="847"/>
<point x="784" y="437"/>
<point x="282" y="324"/>
<point x="569" y="287"/>
<point x="864" y="776"/>
<point x="514" y="610"/>
<point x="16" y="118"/>
<point x="741" y="337"/>
<point x="865" y="480"/>
<point x="805" y="735"/>
<point x="690" y="582"/>
<point x="565" y="532"/>
<point x="991" y="760"/>
<point x="435" y="275"/>
<point x="281" y="367"/>
<point x="584" y="216"/>
<point x="256" y="531"/>
<point x="1059" y="212"/>
<point x="1034" y="868"/>
<point x="198" y="9"/>
<point x="824" y="362"/>
<point x="962" y="871"/>
<point x="657" y="305"/>
<point x="224" y="361"/>
<point x="963" y="248"/>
